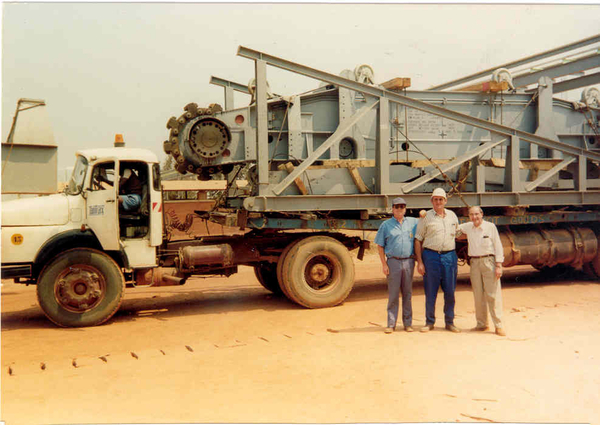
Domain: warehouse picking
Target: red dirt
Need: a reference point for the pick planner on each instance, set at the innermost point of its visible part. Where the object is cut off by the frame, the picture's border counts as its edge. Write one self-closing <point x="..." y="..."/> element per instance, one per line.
<point x="225" y="350"/>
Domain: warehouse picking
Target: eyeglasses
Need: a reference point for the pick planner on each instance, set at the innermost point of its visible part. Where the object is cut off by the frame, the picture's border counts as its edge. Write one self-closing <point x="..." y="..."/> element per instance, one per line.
<point x="399" y="206"/>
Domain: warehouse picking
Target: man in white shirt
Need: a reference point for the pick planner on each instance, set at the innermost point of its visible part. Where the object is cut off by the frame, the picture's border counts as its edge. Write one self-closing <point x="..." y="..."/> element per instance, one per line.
<point x="486" y="256"/>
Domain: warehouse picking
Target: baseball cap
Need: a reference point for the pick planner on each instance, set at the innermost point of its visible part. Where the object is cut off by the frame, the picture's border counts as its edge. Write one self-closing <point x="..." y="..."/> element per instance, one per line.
<point x="398" y="201"/>
<point x="439" y="192"/>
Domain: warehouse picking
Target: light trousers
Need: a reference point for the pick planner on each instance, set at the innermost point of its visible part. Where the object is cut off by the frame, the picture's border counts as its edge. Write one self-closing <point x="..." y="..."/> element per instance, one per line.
<point x="400" y="281"/>
<point x="486" y="291"/>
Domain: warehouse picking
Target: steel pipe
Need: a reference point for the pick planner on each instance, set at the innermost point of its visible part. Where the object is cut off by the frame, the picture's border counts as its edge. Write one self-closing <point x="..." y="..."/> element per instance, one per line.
<point x="549" y="247"/>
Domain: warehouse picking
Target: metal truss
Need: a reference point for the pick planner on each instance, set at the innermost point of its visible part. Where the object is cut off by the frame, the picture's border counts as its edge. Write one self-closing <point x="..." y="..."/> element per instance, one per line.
<point x="516" y="192"/>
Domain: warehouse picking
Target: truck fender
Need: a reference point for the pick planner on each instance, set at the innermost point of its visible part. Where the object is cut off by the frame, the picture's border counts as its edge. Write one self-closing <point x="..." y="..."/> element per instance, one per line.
<point x="69" y="239"/>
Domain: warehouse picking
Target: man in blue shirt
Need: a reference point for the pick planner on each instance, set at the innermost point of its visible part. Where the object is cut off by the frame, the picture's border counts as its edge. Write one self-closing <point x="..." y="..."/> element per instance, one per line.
<point x="395" y="240"/>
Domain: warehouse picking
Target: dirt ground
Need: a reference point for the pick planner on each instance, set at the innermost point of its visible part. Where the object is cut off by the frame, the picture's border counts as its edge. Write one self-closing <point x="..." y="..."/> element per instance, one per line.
<point x="225" y="350"/>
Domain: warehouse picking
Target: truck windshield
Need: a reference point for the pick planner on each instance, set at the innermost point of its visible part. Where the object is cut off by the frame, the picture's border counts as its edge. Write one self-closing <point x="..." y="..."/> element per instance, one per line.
<point x="76" y="181"/>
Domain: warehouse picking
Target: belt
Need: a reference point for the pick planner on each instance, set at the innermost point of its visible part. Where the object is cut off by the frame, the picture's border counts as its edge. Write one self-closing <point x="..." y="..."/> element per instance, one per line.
<point x="481" y="256"/>
<point x="439" y="252"/>
<point x="403" y="258"/>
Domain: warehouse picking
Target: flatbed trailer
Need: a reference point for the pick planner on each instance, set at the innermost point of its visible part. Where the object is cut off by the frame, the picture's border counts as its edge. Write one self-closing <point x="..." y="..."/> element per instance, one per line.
<point x="320" y="163"/>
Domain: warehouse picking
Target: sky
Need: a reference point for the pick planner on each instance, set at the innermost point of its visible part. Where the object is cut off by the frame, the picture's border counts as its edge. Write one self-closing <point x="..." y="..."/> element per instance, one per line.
<point x="126" y="68"/>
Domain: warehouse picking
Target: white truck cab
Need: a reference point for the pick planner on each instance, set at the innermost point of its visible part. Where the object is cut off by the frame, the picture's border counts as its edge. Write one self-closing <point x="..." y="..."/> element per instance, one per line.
<point x="76" y="245"/>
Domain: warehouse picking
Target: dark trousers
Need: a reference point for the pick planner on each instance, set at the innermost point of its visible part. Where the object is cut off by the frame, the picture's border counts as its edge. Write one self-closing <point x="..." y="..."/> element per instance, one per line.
<point x="440" y="270"/>
<point x="400" y="281"/>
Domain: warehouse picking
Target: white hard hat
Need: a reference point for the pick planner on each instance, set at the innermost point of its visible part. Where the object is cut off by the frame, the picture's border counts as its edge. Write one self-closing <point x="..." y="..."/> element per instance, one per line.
<point x="439" y="192"/>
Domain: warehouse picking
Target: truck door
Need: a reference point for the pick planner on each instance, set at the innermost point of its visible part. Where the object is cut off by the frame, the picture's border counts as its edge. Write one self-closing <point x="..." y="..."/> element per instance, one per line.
<point x="103" y="206"/>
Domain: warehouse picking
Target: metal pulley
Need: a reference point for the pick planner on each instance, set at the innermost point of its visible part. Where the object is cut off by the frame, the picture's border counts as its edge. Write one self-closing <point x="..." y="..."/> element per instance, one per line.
<point x="252" y="90"/>
<point x="591" y="97"/>
<point x="503" y="74"/>
<point x="364" y="74"/>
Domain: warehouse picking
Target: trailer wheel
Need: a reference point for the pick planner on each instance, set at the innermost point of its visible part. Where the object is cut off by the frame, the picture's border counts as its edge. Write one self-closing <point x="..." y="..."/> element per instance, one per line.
<point x="266" y="273"/>
<point x="317" y="272"/>
<point x="80" y="287"/>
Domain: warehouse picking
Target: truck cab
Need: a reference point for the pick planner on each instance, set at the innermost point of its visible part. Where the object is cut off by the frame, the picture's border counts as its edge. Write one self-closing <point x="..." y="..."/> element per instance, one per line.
<point x="79" y="244"/>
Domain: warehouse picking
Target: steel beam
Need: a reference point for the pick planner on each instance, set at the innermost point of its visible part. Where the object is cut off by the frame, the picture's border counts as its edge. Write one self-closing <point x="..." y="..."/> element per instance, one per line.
<point x="358" y="202"/>
<point x="576" y="83"/>
<point x="262" y="128"/>
<point x="374" y="224"/>
<point x="226" y="83"/>
<point x="577" y="65"/>
<point x="523" y="61"/>
<point x="413" y="103"/>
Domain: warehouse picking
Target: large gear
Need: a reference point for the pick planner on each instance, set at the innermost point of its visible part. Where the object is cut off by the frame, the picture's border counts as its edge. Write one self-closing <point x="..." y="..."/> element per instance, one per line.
<point x="196" y="138"/>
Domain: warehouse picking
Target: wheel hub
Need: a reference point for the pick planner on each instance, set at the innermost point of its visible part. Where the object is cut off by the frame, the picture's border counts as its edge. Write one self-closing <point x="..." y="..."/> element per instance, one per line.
<point x="319" y="272"/>
<point x="80" y="288"/>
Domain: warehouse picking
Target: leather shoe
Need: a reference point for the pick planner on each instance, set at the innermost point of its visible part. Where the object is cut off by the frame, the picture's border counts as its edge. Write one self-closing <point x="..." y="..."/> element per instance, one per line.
<point x="452" y="328"/>
<point x="427" y="328"/>
<point x="409" y="329"/>
<point x="480" y="329"/>
<point x="500" y="332"/>
<point x="389" y="330"/>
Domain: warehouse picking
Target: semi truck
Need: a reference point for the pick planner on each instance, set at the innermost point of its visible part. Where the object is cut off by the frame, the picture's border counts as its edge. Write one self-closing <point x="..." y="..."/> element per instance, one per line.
<point x="318" y="164"/>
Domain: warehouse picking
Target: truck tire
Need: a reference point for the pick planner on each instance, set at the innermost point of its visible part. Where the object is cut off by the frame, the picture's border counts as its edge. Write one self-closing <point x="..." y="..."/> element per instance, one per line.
<point x="80" y="287"/>
<point x="266" y="274"/>
<point x="280" y="264"/>
<point x="317" y="272"/>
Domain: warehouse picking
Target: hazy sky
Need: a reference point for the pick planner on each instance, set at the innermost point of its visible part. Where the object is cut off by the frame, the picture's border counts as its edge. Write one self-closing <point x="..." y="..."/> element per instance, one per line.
<point x="107" y="68"/>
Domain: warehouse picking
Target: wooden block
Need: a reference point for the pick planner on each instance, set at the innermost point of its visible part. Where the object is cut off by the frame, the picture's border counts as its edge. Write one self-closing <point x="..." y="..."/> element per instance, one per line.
<point x="486" y="87"/>
<point x="289" y="167"/>
<point x="396" y="84"/>
<point x="357" y="179"/>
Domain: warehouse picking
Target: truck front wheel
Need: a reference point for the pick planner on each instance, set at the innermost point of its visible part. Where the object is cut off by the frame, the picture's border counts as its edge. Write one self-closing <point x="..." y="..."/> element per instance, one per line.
<point x="317" y="272"/>
<point x="80" y="287"/>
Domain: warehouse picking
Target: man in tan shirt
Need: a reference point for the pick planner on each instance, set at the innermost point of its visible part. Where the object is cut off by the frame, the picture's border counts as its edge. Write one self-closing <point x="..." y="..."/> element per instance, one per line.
<point x="435" y="242"/>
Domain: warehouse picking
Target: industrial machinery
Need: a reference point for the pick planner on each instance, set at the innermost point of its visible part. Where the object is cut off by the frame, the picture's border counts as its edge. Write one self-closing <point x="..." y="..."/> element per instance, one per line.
<point x="322" y="162"/>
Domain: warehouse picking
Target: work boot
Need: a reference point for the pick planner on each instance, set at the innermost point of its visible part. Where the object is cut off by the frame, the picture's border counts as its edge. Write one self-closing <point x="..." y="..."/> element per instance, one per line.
<point x="480" y="328"/>
<point x="500" y="332"/>
<point x="427" y="328"/>
<point x="452" y="328"/>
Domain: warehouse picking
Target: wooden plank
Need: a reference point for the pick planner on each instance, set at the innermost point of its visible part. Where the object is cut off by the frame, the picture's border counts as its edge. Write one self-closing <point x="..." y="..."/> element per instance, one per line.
<point x="357" y="179"/>
<point x="486" y="87"/>
<point x="421" y="163"/>
<point x="396" y="84"/>
<point x="197" y="185"/>
<point x="289" y="167"/>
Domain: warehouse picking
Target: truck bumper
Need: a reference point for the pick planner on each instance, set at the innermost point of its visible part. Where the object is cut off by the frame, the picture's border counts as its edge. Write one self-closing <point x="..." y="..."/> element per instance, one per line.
<point x="10" y="271"/>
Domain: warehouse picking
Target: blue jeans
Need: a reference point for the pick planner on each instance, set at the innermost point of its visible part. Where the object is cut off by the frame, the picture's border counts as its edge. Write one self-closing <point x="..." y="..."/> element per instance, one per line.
<point x="440" y="269"/>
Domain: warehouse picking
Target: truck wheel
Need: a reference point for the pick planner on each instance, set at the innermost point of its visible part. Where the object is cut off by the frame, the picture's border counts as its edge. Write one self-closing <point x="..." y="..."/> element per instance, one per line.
<point x="280" y="265"/>
<point x="266" y="273"/>
<point x="80" y="287"/>
<point x="317" y="272"/>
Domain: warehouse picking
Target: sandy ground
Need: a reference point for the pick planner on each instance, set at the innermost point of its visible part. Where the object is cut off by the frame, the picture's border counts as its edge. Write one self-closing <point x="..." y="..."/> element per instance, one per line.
<point x="225" y="350"/>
